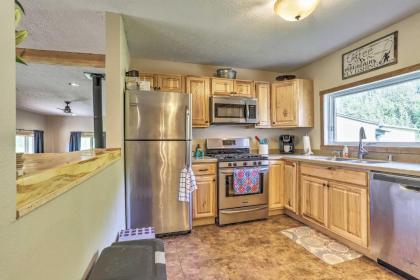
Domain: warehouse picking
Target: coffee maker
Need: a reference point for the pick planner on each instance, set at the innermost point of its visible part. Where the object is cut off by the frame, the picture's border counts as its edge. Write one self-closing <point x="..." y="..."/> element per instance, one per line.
<point x="287" y="144"/>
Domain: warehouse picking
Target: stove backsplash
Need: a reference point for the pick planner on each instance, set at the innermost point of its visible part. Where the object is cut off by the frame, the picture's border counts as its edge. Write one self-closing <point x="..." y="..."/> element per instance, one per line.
<point x="223" y="131"/>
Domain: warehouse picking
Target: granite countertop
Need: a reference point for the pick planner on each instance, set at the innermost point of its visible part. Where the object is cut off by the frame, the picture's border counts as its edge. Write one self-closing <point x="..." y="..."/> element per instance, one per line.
<point x="38" y="188"/>
<point x="203" y="160"/>
<point x="390" y="167"/>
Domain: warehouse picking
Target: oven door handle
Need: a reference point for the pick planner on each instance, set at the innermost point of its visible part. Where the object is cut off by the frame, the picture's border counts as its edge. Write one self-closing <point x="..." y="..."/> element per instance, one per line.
<point x="230" y="171"/>
<point x="225" y="211"/>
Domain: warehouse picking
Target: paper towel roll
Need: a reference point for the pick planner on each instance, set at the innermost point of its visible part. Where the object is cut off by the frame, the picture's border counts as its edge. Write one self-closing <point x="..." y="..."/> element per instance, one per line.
<point x="307" y="145"/>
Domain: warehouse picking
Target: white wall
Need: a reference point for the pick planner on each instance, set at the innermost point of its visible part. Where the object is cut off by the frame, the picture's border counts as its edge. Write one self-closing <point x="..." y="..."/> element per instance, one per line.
<point x="117" y="62"/>
<point x="59" y="239"/>
<point x="58" y="130"/>
<point x="30" y="121"/>
<point x="326" y="72"/>
<point x="7" y="114"/>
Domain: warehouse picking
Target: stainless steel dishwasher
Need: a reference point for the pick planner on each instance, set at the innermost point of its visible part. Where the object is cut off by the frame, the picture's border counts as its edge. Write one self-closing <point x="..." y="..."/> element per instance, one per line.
<point x="395" y="222"/>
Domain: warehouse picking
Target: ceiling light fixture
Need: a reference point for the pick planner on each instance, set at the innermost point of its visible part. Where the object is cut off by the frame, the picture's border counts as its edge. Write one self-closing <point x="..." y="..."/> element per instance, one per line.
<point x="294" y="10"/>
<point x="73" y="84"/>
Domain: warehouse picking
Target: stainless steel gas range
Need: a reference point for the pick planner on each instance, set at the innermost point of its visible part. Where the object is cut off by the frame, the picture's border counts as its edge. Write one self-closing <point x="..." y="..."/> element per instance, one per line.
<point x="234" y="153"/>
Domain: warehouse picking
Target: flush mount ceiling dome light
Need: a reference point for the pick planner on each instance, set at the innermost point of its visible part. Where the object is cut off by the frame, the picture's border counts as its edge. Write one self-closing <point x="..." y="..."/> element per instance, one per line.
<point x="294" y="10"/>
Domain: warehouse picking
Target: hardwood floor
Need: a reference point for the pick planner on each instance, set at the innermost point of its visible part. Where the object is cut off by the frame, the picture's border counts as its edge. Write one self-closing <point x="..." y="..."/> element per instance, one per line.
<point x="256" y="250"/>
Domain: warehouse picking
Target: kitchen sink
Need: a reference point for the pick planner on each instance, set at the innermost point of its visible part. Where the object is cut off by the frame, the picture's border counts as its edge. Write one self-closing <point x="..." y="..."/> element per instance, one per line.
<point x="361" y="161"/>
<point x="369" y="161"/>
<point x="340" y="159"/>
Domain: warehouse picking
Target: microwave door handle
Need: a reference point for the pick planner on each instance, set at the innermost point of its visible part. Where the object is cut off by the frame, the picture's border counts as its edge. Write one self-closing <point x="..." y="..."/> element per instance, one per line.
<point x="247" y="110"/>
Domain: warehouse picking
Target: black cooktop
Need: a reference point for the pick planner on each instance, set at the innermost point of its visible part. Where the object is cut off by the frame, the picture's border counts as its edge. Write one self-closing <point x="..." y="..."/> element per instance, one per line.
<point x="238" y="157"/>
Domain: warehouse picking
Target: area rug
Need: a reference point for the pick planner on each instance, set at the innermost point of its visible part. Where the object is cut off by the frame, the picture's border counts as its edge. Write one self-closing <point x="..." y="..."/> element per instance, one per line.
<point x="325" y="248"/>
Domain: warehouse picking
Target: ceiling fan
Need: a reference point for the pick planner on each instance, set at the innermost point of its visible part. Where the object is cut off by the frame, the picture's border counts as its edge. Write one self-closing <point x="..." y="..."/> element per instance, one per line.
<point x="67" y="109"/>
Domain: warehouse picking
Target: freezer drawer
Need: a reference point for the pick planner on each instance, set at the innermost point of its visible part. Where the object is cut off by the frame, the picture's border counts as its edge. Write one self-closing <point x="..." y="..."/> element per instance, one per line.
<point x="152" y="182"/>
<point x="395" y="221"/>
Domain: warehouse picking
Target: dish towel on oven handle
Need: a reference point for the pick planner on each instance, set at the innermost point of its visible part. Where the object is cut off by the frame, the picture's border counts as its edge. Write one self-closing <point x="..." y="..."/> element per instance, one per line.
<point x="187" y="184"/>
<point x="246" y="180"/>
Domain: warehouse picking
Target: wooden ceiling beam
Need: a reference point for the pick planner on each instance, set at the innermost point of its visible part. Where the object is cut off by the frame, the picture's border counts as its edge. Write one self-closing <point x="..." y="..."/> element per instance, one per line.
<point x="61" y="58"/>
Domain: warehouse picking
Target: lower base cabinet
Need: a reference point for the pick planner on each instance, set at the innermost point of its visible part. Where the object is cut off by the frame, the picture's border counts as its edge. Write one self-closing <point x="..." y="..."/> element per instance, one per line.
<point x="337" y="203"/>
<point x="204" y="199"/>
<point x="275" y="187"/>
<point x="315" y="199"/>
<point x="348" y="212"/>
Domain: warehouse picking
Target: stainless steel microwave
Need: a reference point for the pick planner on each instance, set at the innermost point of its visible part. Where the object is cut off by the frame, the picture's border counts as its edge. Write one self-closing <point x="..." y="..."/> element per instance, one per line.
<point x="233" y="110"/>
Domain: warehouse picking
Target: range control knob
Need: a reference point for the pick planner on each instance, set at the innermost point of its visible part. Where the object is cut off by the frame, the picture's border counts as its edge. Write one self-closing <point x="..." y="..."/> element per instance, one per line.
<point x="259" y="163"/>
<point x="229" y="164"/>
<point x="245" y="164"/>
<point x="234" y="164"/>
<point x="254" y="163"/>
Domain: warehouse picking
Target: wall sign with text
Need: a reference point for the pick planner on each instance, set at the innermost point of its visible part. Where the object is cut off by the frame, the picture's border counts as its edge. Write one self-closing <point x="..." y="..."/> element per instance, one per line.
<point x="374" y="55"/>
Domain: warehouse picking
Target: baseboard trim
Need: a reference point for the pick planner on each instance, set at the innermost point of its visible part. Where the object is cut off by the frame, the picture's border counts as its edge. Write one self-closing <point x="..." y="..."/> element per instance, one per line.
<point x="204" y="221"/>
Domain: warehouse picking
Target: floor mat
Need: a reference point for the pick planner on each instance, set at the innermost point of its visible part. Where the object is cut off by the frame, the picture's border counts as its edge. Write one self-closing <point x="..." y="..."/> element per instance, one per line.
<point x="325" y="248"/>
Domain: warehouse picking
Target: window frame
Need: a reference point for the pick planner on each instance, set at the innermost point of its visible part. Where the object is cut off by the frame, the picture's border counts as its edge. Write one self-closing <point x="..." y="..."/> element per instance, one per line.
<point x="26" y="134"/>
<point x="387" y="79"/>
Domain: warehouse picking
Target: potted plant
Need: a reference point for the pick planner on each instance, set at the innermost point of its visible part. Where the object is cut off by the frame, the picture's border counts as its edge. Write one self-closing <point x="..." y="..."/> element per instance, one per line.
<point x="20" y="35"/>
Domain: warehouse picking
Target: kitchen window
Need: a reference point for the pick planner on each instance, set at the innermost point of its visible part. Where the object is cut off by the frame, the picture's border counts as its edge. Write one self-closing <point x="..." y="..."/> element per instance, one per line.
<point x="24" y="142"/>
<point x="87" y="141"/>
<point x="388" y="109"/>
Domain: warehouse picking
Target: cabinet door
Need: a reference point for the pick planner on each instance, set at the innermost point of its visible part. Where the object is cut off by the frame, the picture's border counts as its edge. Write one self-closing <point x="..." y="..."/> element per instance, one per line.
<point x="284" y="104"/>
<point x="149" y="78"/>
<point x="243" y="88"/>
<point x="221" y="86"/>
<point x="315" y="199"/>
<point x="204" y="198"/>
<point x="348" y="212"/>
<point x="290" y="186"/>
<point x="275" y="185"/>
<point x="170" y="83"/>
<point x="262" y="91"/>
<point x="200" y="90"/>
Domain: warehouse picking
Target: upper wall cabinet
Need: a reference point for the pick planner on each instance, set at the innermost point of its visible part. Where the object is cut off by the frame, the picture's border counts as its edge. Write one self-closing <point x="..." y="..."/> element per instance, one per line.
<point x="169" y="83"/>
<point x="229" y="87"/>
<point x="149" y="78"/>
<point x="161" y="82"/>
<point x="292" y="103"/>
<point x="199" y="87"/>
<point x="262" y="92"/>
<point x="243" y="88"/>
<point x="221" y="86"/>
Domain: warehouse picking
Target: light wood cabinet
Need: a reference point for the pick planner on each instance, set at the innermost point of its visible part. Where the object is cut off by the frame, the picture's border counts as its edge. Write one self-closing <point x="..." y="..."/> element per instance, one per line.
<point x="148" y="78"/>
<point x="243" y="88"/>
<point x="290" y="186"/>
<point x="348" y="215"/>
<point x="275" y="187"/>
<point x="169" y="83"/>
<point x="292" y="103"/>
<point x="204" y="198"/>
<point x="262" y="92"/>
<point x="199" y="87"/>
<point x="223" y="87"/>
<point x="314" y="199"/>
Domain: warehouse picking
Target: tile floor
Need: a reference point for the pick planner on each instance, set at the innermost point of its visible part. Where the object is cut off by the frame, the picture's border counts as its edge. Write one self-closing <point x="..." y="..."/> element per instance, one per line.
<point x="256" y="250"/>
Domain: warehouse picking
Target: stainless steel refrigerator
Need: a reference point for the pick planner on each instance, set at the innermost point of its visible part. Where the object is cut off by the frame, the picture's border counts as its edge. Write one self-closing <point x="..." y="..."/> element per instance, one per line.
<point x="157" y="148"/>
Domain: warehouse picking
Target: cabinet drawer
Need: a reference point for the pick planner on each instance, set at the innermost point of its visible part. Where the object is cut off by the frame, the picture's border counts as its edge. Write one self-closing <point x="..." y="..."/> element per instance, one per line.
<point x="335" y="173"/>
<point x="204" y="169"/>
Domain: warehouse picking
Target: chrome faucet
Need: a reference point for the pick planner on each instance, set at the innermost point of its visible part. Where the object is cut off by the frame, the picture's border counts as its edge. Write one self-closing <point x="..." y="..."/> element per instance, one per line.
<point x="362" y="151"/>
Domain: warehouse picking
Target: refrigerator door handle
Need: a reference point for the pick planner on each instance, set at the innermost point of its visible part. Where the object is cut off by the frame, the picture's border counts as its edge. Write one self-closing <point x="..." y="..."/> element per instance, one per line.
<point x="188" y="137"/>
<point x="187" y="123"/>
